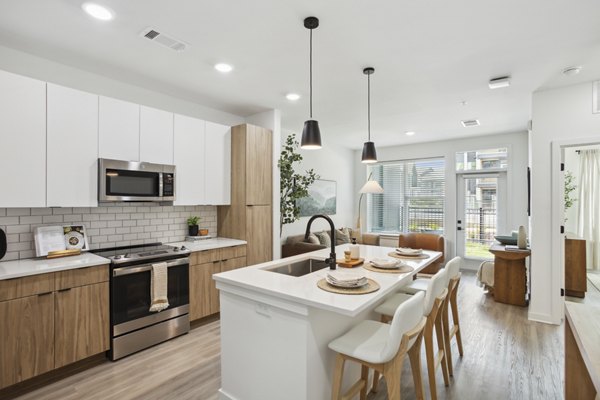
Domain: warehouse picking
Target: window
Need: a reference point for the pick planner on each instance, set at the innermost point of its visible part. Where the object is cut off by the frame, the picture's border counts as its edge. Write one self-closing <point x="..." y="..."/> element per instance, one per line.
<point x="413" y="198"/>
<point x="482" y="159"/>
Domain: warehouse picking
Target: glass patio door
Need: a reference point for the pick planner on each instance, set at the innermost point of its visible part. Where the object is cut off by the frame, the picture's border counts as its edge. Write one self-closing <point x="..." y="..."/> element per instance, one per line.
<point x="481" y="213"/>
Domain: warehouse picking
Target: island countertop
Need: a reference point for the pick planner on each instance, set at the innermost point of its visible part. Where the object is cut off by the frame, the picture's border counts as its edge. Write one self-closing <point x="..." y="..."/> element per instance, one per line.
<point x="304" y="290"/>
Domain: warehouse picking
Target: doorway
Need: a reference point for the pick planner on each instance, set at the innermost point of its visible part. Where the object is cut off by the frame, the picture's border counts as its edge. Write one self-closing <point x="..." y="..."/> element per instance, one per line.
<point x="481" y="213"/>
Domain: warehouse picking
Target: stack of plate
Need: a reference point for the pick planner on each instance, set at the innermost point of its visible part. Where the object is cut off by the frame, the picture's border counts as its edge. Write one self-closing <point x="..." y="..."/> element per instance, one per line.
<point x="407" y="251"/>
<point x="387" y="263"/>
<point x="346" y="280"/>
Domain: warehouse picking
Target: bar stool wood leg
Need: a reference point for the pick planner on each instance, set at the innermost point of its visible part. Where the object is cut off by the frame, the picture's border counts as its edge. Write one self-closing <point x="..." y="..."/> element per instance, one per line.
<point x="391" y="373"/>
<point x="338" y="373"/>
<point x="447" y="337"/>
<point x="414" y="355"/>
<point x="456" y="327"/>
<point x="441" y="349"/>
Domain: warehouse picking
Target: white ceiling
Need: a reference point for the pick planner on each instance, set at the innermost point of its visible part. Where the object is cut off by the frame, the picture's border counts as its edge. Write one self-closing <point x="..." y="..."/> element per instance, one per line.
<point x="428" y="56"/>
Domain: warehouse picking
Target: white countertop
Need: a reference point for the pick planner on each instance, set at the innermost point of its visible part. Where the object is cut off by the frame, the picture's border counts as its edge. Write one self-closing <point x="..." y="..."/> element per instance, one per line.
<point x="35" y="266"/>
<point x="304" y="289"/>
<point x="209" y="244"/>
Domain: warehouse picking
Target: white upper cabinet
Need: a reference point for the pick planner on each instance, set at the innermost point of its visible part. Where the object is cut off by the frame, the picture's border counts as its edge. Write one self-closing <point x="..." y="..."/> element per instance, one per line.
<point x="72" y="134"/>
<point x="156" y="136"/>
<point x="189" y="160"/>
<point x="119" y="130"/>
<point x="217" y="159"/>
<point x="22" y="141"/>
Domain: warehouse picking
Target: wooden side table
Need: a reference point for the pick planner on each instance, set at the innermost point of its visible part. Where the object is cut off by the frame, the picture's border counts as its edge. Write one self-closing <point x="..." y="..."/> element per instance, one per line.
<point x="510" y="275"/>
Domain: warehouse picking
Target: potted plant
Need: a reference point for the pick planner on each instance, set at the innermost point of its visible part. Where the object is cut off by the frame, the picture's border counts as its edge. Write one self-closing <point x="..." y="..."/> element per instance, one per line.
<point x="193" y="225"/>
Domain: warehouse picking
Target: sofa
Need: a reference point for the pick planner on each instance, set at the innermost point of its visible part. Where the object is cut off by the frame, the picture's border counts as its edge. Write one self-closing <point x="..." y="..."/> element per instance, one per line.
<point x="295" y="244"/>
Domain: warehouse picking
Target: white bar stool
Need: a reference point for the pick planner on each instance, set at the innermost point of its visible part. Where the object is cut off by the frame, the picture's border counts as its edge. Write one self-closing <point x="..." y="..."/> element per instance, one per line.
<point x="435" y="295"/>
<point x="383" y="347"/>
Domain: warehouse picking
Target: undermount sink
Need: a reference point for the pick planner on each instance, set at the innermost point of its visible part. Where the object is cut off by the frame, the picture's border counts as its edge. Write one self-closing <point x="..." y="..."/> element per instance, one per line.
<point x="299" y="268"/>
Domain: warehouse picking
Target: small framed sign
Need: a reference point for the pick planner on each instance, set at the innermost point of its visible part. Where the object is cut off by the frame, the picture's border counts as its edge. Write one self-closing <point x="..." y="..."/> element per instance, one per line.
<point x="55" y="238"/>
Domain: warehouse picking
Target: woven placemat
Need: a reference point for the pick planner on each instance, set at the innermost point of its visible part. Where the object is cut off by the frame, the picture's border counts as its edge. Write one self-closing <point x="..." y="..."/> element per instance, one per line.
<point x="370" y="287"/>
<point x="402" y="270"/>
<point x="396" y="255"/>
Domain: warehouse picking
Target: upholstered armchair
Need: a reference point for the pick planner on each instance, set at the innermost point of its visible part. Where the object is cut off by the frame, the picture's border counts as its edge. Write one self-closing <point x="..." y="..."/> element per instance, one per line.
<point x="425" y="241"/>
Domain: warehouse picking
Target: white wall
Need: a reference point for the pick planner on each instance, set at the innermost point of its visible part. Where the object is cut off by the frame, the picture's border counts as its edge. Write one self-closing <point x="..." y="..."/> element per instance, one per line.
<point x="562" y="114"/>
<point x="331" y="163"/>
<point x="516" y="176"/>
<point x="46" y="70"/>
<point x="272" y="120"/>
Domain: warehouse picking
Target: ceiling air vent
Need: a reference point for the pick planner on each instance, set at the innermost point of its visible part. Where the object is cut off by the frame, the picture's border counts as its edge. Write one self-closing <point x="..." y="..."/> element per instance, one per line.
<point x="470" y="122"/>
<point x="163" y="39"/>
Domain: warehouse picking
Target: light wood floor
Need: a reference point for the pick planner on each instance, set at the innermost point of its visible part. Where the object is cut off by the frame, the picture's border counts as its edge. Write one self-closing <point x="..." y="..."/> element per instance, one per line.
<point x="506" y="357"/>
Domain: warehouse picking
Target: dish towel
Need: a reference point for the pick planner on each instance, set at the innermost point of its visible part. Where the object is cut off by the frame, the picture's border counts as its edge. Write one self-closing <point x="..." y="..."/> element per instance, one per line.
<point x="158" y="287"/>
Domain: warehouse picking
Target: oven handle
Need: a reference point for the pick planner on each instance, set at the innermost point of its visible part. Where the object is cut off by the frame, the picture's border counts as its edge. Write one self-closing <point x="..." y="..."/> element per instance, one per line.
<point x="147" y="267"/>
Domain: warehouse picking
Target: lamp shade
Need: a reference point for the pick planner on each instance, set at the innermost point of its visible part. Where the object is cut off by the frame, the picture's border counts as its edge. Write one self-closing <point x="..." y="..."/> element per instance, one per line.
<point x="371" y="187"/>
<point x="311" y="135"/>
<point x="369" y="155"/>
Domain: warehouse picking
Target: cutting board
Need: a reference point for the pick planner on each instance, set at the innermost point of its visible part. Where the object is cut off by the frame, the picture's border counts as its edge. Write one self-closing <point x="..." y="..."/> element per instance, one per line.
<point x="350" y="264"/>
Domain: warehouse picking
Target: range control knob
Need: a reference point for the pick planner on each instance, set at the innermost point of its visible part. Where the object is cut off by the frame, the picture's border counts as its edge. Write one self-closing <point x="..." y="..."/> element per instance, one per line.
<point x="118" y="257"/>
<point x="183" y="248"/>
<point x="176" y="248"/>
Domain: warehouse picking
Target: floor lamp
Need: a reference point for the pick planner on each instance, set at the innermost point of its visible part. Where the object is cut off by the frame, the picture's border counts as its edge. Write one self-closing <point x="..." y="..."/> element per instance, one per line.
<point x="369" y="187"/>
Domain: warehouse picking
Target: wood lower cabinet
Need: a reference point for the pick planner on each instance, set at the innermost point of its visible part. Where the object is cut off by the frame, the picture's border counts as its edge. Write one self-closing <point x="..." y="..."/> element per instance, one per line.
<point x="204" y="296"/>
<point x="575" y="267"/>
<point x="50" y="320"/>
<point x="81" y="323"/>
<point x="259" y="234"/>
<point x="26" y="338"/>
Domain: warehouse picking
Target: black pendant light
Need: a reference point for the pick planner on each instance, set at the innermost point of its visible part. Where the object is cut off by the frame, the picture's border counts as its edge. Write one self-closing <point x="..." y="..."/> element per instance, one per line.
<point x="311" y="134"/>
<point x="369" y="155"/>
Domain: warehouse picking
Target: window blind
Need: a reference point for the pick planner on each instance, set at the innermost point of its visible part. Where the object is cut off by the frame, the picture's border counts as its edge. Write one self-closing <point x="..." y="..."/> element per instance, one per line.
<point x="413" y="198"/>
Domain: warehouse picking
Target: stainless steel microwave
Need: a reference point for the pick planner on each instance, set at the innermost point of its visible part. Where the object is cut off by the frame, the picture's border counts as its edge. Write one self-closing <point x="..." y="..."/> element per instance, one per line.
<point x="135" y="181"/>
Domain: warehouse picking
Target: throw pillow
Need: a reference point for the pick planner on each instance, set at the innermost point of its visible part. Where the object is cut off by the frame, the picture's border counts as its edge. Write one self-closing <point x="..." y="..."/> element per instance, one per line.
<point x="312" y="238"/>
<point x="342" y="236"/>
<point x="324" y="238"/>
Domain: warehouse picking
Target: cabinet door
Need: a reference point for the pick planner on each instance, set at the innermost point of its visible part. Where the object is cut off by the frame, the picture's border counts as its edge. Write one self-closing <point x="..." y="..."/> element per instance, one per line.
<point x="259" y="235"/>
<point x="72" y="148"/>
<point x="23" y="144"/>
<point x="156" y="136"/>
<point x="259" y="166"/>
<point x="119" y="129"/>
<point x="201" y="284"/>
<point x="217" y="159"/>
<point x="26" y="338"/>
<point x="81" y="323"/>
<point x="189" y="160"/>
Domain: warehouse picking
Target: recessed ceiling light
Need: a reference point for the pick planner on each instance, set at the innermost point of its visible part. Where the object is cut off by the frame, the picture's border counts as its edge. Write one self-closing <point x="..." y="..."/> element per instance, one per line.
<point x="501" y="82"/>
<point x="222" y="67"/>
<point x="97" y="11"/>
<point x="292" y="96"/>
<point x="409" y="133"/>
<point x="570" y="71"/>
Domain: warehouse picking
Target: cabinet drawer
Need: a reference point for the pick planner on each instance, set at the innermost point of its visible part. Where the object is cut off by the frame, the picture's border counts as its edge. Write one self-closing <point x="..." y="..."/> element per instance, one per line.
<point x="233" y="263"/>
<point x="233" y="252"/>
<point x="26" y="286"/>
<point x="80" y="277"/>
<point x="203" y="257"/>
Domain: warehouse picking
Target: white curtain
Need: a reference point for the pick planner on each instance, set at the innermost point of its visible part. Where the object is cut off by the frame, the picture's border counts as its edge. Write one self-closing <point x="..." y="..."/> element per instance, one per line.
<point x="589" y="203"/>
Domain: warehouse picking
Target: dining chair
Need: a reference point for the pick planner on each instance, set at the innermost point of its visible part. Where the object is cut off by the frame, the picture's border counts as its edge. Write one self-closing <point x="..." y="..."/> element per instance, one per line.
<point x="382" y="347"/>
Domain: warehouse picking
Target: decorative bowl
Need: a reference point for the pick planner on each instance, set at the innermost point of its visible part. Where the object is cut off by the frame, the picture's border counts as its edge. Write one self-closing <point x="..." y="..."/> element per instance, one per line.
<point x="505" y="239"/>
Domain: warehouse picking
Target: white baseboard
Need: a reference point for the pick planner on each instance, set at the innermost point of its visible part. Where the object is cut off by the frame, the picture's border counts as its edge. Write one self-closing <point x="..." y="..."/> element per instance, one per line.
<point x="545" y="318"/>
<point x="225" y="396"/>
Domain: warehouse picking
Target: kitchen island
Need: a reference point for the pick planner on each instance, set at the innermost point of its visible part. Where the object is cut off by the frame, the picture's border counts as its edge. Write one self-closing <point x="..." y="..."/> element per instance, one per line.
<point x="275" y="327"/>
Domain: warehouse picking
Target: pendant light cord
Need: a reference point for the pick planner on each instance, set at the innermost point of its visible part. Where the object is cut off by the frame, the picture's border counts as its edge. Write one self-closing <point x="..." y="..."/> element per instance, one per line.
<point x="369" y="105"/>
<point x="310" y="69"/>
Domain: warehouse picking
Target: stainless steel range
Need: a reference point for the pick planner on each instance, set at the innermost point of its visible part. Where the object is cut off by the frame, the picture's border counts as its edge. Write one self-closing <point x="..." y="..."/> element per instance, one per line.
<point x="132" y="326"/>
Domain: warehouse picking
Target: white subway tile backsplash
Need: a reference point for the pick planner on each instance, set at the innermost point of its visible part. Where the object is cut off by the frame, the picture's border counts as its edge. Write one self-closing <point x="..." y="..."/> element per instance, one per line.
<point x="49" y="219"/>
<point x="109" y="225"/>
<point x="16" y="212"/>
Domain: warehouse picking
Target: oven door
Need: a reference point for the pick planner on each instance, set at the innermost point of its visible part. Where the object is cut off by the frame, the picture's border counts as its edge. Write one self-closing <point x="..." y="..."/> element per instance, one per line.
<point x="130" y="296"/>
